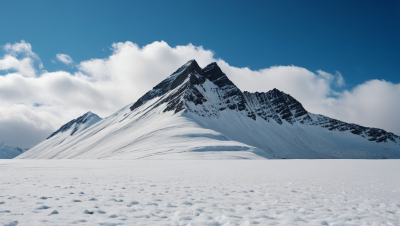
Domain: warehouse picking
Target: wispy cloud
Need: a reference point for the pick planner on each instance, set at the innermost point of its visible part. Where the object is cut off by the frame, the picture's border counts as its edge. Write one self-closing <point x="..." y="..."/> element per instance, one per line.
<point x="64" y="58"/>
<point x="339" y="79"/>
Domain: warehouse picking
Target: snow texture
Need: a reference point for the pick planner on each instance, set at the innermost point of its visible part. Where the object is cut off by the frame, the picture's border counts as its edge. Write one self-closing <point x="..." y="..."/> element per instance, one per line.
<point x="9" y="152"/>
<point x="206" y="192"/>
<point x="200" y="114"/>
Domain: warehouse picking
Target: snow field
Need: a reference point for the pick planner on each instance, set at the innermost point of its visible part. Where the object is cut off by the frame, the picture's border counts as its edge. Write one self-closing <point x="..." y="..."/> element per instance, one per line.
<point x="199" y="192"/>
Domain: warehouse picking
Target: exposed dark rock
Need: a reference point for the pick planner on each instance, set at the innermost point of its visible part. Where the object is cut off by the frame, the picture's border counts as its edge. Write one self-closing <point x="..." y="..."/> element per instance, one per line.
<point x="185" y="90"/>
<point x="188" y="70"/>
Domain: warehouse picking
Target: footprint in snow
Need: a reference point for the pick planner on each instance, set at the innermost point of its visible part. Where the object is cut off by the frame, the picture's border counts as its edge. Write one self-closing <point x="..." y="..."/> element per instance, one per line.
<point x="76" y="200"/>
<point x="43" y="207"/>
<point x="88" y="212"/>
<point x="151" y="204"/>
<point x="13" y="223"/>
<point x="169" y="205"/>
<point x="54" y="212"/>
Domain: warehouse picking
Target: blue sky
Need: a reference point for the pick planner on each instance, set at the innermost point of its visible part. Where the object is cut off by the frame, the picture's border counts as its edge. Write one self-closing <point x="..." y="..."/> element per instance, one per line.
<point x="338" y="58"/>
<point x="358" y="38"/>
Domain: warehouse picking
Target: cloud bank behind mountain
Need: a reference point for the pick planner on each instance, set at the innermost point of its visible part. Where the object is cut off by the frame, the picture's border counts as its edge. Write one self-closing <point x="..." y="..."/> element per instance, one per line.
<point x="35" y="102"/>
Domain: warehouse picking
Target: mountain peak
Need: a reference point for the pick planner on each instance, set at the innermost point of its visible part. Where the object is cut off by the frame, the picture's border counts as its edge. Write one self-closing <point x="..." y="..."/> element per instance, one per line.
<point x="189" y="72"/>
<point x="192" y="61"/>
<point x="78" y="124"/>
<point x="214" y="73"/>
<point x="191" y="65"/>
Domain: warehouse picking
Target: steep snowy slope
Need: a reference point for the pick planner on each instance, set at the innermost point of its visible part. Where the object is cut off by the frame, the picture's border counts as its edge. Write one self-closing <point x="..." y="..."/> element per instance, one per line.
<point x="200" y="114"/>
<point x="144" y="134"/>
<point x="9" y="152"/>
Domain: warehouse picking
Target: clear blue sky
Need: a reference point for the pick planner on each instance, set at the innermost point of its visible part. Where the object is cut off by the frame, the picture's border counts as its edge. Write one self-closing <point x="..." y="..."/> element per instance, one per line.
<point x="361" y="39"/>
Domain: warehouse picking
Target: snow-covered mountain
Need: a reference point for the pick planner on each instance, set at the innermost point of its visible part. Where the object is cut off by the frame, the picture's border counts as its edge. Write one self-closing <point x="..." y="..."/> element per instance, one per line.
<point x="9" y="152"/>
<point x="200" y="114"/>
<point x="68" y="131"/>
<point x="76" y="126"/>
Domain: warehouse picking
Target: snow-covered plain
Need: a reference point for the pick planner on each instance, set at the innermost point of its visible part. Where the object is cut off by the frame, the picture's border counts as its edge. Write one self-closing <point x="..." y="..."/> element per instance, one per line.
<point x="199" y="192"/>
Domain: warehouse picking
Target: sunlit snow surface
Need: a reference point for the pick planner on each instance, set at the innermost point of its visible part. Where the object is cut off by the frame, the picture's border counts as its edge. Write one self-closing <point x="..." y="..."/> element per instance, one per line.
<point x="204" y="192"/>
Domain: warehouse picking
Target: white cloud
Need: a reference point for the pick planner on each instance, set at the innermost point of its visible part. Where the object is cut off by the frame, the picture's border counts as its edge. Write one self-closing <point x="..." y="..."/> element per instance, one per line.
<point x="374" y="103"/>
<point x="32" y="107"/>
<point x="64" y="58"/>
<point x="24" y="66"/>
<point x="18" y="48"/>
<point x="309" y="88"/>
<point x="339" y="79"/>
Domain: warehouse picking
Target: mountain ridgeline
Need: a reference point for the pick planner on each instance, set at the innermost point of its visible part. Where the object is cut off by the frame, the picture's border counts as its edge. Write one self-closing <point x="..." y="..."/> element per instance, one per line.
<point x="198" y="113"/>
<point x="272" y="105"/>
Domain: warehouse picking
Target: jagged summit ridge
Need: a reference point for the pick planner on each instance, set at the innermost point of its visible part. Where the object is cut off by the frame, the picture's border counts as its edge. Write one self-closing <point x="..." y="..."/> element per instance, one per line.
<point x="186" y="87"/>
<point x="185" y="77"/>
<point x="208" y="91"/>
<point x="196" y="84"/>
<point x="276" y="105"/>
